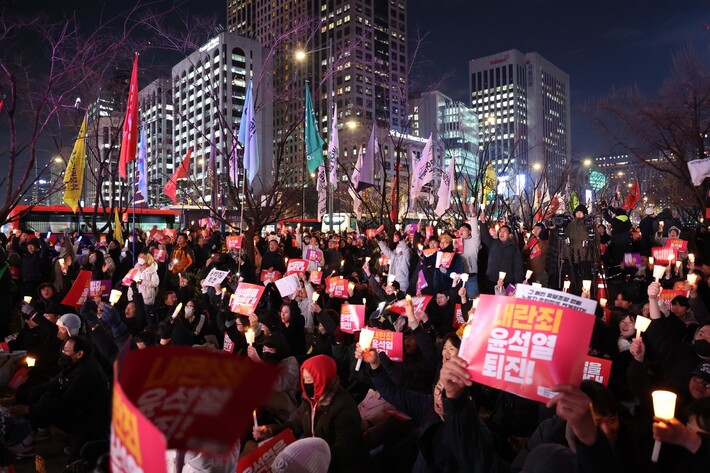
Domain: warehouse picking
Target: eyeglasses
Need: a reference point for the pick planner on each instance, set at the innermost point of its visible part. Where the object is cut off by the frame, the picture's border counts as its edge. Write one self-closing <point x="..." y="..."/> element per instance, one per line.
<point x="702" y="382"/>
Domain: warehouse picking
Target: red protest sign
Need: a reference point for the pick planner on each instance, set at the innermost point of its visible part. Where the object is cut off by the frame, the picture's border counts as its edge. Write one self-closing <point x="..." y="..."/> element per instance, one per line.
<point x="352" y="317"/>
<point x="444" y="259"/>
<point x="421" y="281"/>
<point x="234" y="242"/>
<point x="314" y="255"/>
<point x="245" y="298"/>
<point x="670" y="294"/>
<point x="341" y="289"/>
<point x="458" y="245"/>
<point x="228" y="345"/>
<point x="677" y="245"/>
<point x="597" y="369"/>
<point x="269" y="276"/>
<point x="100" y="288"/>
<point x="79" y="290"/>
<point x="459" y="319"/>
<point x="526" y="347"/>
<point x="392" y="343"/>
<point x="296" y="266"/>
<point x="419" y="302"/>
<point x="663" y="255"/>
<point x="199" y="400"/>
<point x="370" y="233"/>
<point x="330" y="284"/>
<point x="136" y="444"/>
<point x="170" y="233"/>
<point x="380" y="229"/>
<point x="429" y="231"/>
<point x="159" y="255"/>
<point x="130" y="277"/>
<point x="260" y="459"/>
<point x="429" y="251"/>
<point x="315" y="277"/>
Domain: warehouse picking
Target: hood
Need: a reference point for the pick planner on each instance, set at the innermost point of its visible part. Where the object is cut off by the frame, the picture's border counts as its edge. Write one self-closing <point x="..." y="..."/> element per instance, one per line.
<point x="323" y="370"/>
<point x="674" y="228"/>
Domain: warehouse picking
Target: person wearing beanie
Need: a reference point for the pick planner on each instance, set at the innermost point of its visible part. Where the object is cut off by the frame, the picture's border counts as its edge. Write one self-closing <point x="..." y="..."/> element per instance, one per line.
<point x="308" y="455"/>
<point x="620" y="235"/>
<point x="327" y="411"/>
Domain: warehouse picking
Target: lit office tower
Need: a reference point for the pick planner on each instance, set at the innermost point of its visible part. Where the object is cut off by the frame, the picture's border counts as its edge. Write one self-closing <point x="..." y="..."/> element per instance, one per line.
<point x="209" y="89"/>
<point x="364" y="40"/>
<point x="155" y="105"/>
<point x="523" y="106"/>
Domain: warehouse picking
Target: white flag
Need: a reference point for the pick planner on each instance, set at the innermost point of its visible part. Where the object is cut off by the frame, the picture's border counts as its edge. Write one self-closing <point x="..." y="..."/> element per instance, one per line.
<point x="234" y="162"/>
<point x="321" y="186"/>
<point x="367" y="169"/>
<point x="333" y="148"/>
<point x="447" y="181"/>
<point x="699" y="169"/>
<point x="424" y="170"/>
<point x="247" y="137"/>
<point x="357" y="201"/>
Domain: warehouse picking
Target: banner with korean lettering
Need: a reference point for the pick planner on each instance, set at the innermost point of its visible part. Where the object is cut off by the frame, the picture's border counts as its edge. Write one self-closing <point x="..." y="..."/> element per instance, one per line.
<point x="245" y="298"/>
<point x="315" y="277"/>
<point x="269" y="276"/>
<point x="79" y="290"/>
<point x="296" y="266"/>
<point x="564" y="299"/>
<point x="663" y="255"/>
<point x="200" y="400"/>
<point x="260" y="459"/>
<point x="667" y="295"/>
<point x="159" y="255"/>
<point x="392" y="343"/>
<point x="677" y="245"/>
<point x="314" y="255"/>
<point x="100" y="288"/>
<point x="597" y="369"/>
<point x="234" y="242"/>
<point x="526" y="347"/>
<point x="352" y="317"/>
<point x="137" y="446"/>
<point x="215" y="277"/>
<point x="130" y="277"/>
<point x="420" y="304"/>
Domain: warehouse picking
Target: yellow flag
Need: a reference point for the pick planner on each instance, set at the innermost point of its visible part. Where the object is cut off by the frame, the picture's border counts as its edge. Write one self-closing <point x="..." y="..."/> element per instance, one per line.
<point x="117" y="230"/>
<point x="74" y="174"/>
<point x="490" y="181"/>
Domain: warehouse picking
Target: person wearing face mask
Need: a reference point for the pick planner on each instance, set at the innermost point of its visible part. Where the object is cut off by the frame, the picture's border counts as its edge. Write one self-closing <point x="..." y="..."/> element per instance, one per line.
<point x="147" y="280"/>
<point x="326" y="411"/>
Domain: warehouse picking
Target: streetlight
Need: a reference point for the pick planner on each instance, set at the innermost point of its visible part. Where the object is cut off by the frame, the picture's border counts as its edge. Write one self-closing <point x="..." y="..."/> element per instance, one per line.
<point x="537" y="166"/>
<point x="587" y="163"/>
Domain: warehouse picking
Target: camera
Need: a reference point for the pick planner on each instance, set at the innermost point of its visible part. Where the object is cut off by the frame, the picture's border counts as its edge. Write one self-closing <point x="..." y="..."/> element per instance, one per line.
<point x="558" y="221"/>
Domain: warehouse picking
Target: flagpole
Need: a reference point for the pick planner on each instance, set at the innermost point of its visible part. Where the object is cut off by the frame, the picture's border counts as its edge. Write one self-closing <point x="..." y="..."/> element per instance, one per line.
<point x="330" y="108"/>
<point x="241" y="219"/>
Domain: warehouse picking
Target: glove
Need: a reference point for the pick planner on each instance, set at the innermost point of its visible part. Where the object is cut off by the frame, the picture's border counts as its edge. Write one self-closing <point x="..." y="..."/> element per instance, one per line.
<point x="27" y="311"/>
<point x="110" y="316"/>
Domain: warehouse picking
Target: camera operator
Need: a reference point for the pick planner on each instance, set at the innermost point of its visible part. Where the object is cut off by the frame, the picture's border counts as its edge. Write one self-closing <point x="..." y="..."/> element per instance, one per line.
<point x="579" y="251"/>
<point x="620" y="235"/>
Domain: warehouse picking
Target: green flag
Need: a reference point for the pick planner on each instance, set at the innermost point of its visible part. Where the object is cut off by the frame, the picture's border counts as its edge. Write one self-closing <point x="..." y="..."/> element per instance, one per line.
<point x="573" y="201"/>
<point x="314" y="143"/>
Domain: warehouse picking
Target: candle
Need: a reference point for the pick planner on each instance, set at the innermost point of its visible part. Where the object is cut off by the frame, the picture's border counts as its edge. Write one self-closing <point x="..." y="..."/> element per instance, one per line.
<point x="315" y="297"/>
<point x="453" y="275"/>
<point x="641" y="325"/>
<point x="408" y="298"/>
<point x="664" y="408"/>
<point x="27" y="299"/>
<point x="536" y="284"/>
<point x="366" y="336"/>
<point x="256" y="423"/>
<point x="658" y="272"/>
<point x="61" y="262"/>
<point x="367" y="259"/>
<point x="30" y="361"/>
<point x="528" y="274"/>
<point x="483" y="207"/>
<point x="175" y="261"/>
<point x="364" y="301"/>
<point x="692" y="278"/>
<point x="650" y="260"/>
<point x="602" y="302"/>
<point x="177" y="310"/>
<point x="678" y="264"/>
<point x="390" y="279"/>
<point x="501" y="275"/>
<point x="286" y="260"/>
<point x="115" y="296"/>
<point x="249" y="334"/>
<point x="587" y="285"/>
<point x="691" y="258"/>
<point x="566" y="285"/>
<point x="224" y="291"/>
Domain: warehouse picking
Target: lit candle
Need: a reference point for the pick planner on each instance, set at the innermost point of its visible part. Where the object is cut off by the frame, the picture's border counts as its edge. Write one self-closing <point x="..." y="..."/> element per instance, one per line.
<point x="177" y="310"/>
<point x="602" y="302"/>
<point x="30" y="361"/>
<point x="364" y="301"/>
<point x="501" y="275"/>
<point x="641" y="325"/>
<point x="115" y="296"/>
<point x="658" y="272"/>
<point x="27" y="299"/>
<point x="528" y="274"/>
<point x="692" y="278"/>
<point x="224" y="291"/>
<point x="663" y="408"/>
<point x="691" y="258"/>
<point x="256" y="423"/>
<point x="61" y="262"/>
<point x="367" y="259"/>
<point x="315" y="297"/>
<point x="650" y="260"/>
<point x="587" y="285"/>
<point x="536" y="284"/>
<point x="366" y="336"/>
<point x="249" y="334"/>
<point x="565" y="286"/>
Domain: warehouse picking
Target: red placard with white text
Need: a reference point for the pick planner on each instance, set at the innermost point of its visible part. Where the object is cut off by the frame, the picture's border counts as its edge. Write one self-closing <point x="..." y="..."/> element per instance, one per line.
<point x="130" y="277"/>
<point x="663" y="255"/>
<point x="340" y="290"/>
<point x="159" y="255"/>
<point x="419" y="302"/>
<point x="330" y="284"/>
<point x="269" y="276"/>
<point x="228" y="345"/>
<point x="677" y="245"/>
<point x="459" y="319"/>
<point x="526" y="347"/>
<point x="245" y="298"/>
<point x="79" y="290"/>
<point x="444" y="259"/>
<point x="234" y="242"/>
<point x="170" y="233"/>
<point x="315" y="277"/>
<point x="392" y="343"/>
<point x="296" y="266"/>
<point x="352" y="317"/>
<point x="597" y="369"/>
<point x="260" y="459"/>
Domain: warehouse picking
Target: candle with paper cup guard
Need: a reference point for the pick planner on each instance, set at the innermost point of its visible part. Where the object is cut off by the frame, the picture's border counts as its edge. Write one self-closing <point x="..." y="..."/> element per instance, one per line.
<point x="224" y="291"/>
<point x="177" y="310"/>
<point x="658" y="272"/>
<point x="501" y="275"/>
<point x="586" y="285"/>
<point x="256" y="423"/>
<point x="115" y="296"/>
<point x="367" y="259"/>
<point x="566" y="285"/>
<point x="315" y="297"/>
<point x="249" y="335"/>
<point x="641" y="325"/>
<point x="602" y="302"/>
<point x="30" y="361"/>
<point x="27" y="299"/>
<point x="663" y="408"/>
<point x="650" y="261"/>
<point x="61" y="262"/>
<point x="366" y="336"/>
<point x="536" y="284"/>
<point x="691" y="258"/>
<point x="528" y="274"/>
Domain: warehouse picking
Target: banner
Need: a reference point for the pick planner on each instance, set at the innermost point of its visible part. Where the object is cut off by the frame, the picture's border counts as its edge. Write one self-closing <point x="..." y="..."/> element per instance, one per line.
<point x="663" y="255"/>
<point x="526" y="347"/>
<point x="597" y="369"/>
<point x="215" y="277"/>
<point x="288" y="285"/>
<point x="259" y="460"/>
<point x="100" y="288"/>
<point x="296" y="266"/>
<point x="420" y="303"/>
<point x="632" y="259"/>
<point x="314" y="255"/>
<point x="129" y="277"/>
<point x="245" y="298"/>
<point x="444" y="259"/>
<point x="677" y="245"/>
<point x="352" y="317"/>
<point x="564" y="299"/>
<point x="267" y="276"/>
<point x="159" y="255"/>
<point x="79" y="290"/>
<point x="392" y="343"/>
<point x="315" y="277"/>
<point x="234" y="242"/>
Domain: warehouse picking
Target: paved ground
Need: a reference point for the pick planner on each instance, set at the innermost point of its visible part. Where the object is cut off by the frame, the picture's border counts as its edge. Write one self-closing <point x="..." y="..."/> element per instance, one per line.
<point x="49" y="458"/>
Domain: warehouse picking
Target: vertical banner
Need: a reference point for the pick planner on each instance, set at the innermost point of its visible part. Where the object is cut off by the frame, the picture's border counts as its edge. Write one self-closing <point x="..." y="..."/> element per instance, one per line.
<point x="526" y="347"/>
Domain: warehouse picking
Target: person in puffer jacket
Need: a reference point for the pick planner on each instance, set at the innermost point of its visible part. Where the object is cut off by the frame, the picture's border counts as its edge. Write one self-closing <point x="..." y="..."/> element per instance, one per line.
<point x="147" y="279"/>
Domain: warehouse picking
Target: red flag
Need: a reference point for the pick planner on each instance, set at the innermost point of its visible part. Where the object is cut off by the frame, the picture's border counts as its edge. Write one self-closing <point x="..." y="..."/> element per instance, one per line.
<point x="395" y="205"/>
<point x="633" y="197"/>
<point x="130" y="124"/>
<point x="181" y="172"/>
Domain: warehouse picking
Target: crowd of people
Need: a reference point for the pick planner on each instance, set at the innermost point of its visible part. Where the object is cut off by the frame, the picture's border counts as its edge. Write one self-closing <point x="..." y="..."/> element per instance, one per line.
<point x="441" y="421"/>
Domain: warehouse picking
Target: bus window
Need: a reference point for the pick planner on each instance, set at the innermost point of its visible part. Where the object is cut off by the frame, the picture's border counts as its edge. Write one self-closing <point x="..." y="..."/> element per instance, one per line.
<point x="342" y="222"/>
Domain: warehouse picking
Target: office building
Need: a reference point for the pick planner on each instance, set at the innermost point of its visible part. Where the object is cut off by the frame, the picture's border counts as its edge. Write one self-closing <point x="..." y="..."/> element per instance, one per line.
<point x="155" y="105"/>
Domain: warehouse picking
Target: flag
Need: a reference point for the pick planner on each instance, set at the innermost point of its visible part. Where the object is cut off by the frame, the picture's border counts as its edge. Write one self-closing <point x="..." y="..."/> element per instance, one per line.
<point x="314" y="143"/>
<point x="322" y="188"/>
<point x="367" y="170"/>
<point x="615" y="200"/>
<point x="394" y="211"/>
<point x="247" y="136"/>
<point x="699" y="169"/>
<point x="334" y="148"/>
<point x="444" y="194"/>
<point x="573" y="201"/>
<point x="74" y="174"/>
<point x="141" y="169"/>
<point x="424" y="170"/>
<point x="357" y="201"/>
<point x="490" y="182"/>
<point x="234" y="162"/>
<point x="130" y="124"/>
<point x="117" y="230"/>
<point x="633" y="197"/>
<point x="181" y="172"/>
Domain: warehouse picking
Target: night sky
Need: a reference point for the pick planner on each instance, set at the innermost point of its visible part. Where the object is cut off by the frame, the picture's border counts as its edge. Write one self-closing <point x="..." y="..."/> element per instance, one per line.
<point x="600" y="44"/>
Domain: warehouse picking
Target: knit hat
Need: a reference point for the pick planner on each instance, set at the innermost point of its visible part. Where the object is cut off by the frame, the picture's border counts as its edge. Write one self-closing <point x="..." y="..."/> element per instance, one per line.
<point x="308" y="455"/>
<point x="703" y="371"/>
<point x="581" y="208"/>
<point x="71" y="322"/>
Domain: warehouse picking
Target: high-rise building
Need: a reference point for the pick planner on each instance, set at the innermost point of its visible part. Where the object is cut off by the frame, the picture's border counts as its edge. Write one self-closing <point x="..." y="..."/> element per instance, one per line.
<point x="523" y="105"/>
<point x="155" y="105"/>
<point x="363" y="43"/>
<point x="209" y="89"/>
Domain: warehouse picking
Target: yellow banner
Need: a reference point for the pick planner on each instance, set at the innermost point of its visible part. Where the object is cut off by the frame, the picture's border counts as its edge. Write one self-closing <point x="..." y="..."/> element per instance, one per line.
<point x="74" y="174"/>
<point x="117" y="230"/>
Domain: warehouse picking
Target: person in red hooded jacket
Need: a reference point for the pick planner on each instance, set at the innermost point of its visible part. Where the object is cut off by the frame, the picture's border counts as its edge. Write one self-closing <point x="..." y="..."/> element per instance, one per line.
<point x="327" y="411"/>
